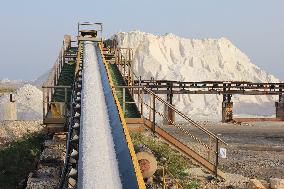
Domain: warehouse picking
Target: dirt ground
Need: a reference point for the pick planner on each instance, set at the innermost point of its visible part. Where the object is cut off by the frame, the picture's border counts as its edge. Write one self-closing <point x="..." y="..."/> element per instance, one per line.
<point x="255" y="150"/>
<point x="13" y="130"/>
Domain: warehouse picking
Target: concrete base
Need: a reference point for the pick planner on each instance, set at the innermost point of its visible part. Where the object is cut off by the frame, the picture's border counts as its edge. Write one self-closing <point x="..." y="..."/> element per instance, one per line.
<point x="279" y="109"/>
<point x="170" y="115"/>
<point x="227" y="112"/>
<point x="10" y="111"/>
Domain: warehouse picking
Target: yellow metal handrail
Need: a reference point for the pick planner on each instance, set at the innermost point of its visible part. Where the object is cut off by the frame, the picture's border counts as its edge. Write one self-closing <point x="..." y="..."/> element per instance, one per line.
<point x="138" y="173"/>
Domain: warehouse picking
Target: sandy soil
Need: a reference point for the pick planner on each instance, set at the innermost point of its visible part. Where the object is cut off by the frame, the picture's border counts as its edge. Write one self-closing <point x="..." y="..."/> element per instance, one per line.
<point x="254" y="149"/>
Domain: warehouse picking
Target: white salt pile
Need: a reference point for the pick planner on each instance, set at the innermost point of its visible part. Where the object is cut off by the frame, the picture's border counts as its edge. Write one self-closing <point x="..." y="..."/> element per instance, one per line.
<point x="28" y="102"/>
<point x="175" y="58"/>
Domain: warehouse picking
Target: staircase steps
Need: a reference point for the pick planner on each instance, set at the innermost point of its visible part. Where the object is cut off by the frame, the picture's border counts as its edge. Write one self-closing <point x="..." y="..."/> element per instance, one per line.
<point x="131" y="110"/>
<point x="66" y="78"/>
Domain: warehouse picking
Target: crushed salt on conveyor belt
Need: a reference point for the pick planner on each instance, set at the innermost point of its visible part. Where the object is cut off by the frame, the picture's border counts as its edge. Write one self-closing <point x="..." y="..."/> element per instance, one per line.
<point x="97" y="161"/>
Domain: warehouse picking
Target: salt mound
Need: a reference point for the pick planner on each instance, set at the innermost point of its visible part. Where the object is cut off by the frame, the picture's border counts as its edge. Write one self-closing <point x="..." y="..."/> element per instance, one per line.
<point x="28" y="101"/>
<point x="176" y="58"/>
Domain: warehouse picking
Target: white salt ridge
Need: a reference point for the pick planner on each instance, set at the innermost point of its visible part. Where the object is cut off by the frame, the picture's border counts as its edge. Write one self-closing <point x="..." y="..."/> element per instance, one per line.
<point x="16" y="82"/>
<point x="174" y="58"/>
<point x="28" y="102"/>
<point x="6" y="83"/>
<point x="98" y="166"/>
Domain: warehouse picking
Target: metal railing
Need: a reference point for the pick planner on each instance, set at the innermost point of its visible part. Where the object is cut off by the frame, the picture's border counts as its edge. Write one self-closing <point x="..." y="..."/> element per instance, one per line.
<point x="155" y="109"/>
<point x="123" y="60"/>
<point x="54" y="73"/>
<point x="48" y="101"/>
<point x="50" y="86"/>
<point x="196" y="137"/>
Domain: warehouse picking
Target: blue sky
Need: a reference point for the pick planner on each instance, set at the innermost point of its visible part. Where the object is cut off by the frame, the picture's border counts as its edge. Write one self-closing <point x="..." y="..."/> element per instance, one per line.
<point x="31" y="31"/>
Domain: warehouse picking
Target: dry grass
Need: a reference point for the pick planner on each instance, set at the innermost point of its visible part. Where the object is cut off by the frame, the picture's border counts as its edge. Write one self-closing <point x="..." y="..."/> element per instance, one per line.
<point x="7" y="89"/>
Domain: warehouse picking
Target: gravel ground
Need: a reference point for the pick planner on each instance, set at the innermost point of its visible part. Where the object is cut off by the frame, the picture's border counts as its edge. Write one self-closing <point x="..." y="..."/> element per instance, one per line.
<point x="12" y="130"/>
<point x="255" y="150"/>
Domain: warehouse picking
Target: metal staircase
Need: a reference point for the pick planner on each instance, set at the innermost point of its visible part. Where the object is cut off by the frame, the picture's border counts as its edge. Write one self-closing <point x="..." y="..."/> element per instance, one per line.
<point x="154" y="114"/>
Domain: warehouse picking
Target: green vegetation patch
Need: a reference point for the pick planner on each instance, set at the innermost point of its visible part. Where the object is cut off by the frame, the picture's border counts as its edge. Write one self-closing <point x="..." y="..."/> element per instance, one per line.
<point x="175" y="163"/>
<point x="193" y="184"/>
<point x="19" y="158"/>
<point x="172" y="160"/>
<point x="167" y="157"/>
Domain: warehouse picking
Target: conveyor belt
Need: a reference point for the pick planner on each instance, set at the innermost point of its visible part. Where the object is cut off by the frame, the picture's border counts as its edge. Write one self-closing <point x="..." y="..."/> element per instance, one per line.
<point x="106" y="115"/>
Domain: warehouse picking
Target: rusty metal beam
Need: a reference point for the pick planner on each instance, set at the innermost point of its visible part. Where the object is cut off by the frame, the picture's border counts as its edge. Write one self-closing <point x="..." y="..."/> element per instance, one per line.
<point x="211" y="87"/>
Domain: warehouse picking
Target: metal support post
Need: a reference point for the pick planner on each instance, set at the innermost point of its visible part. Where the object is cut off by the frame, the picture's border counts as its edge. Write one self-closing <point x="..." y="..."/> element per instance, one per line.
<point x="142" y="102"/>
<point x="123" y="99"/>
<point x="154" y="114"/>
<point x="65" y="102"/>
<point x="217" y="157"/>
<point x="227" y="108"/>
<point x="280" y="107"/>
<point x="169" y="113"/>
<point x="47" y="100"/>
<point x="43" y="103"/>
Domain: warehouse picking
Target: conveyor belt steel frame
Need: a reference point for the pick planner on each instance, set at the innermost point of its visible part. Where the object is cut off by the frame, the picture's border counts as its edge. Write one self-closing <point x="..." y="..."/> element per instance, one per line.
<point x="64" y="181"/>
<point x="129" y="170"/>
<point x="211" y="87"/>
